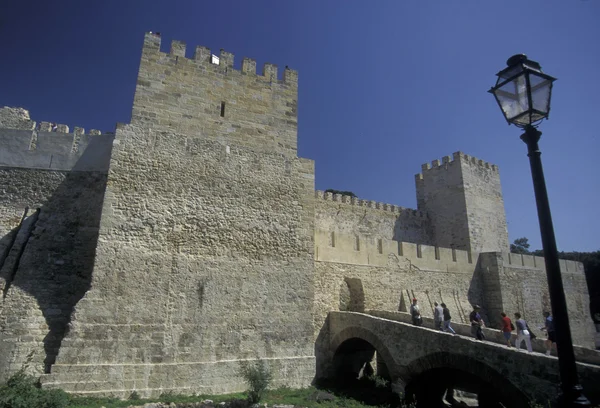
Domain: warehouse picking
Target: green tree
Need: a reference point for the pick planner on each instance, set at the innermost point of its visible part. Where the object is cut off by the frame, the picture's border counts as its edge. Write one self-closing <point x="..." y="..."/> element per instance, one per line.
<point x="346" y="193"/>
<point x="520" y="246"/>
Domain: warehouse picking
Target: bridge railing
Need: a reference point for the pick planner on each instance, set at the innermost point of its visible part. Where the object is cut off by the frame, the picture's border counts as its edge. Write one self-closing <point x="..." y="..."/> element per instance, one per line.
<point x="582" y="354"/>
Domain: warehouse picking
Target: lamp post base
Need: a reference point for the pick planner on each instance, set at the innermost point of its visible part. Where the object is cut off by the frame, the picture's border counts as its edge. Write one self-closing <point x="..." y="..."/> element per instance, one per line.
<point x="574" y="399"/>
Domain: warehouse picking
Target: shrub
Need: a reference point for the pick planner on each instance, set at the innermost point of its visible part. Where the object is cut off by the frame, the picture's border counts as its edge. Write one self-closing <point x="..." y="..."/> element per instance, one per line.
<point x="134" y="396"/>
<point x="378" y="381"/>
<point x="258" y="377"/>
<point x="24" y="391"/>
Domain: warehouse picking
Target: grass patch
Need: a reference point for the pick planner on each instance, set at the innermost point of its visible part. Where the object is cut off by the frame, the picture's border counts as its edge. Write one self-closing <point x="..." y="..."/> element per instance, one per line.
<point x="97" y="402"/>
<point x="24" y="391"/>
<point x="311" y="397"/>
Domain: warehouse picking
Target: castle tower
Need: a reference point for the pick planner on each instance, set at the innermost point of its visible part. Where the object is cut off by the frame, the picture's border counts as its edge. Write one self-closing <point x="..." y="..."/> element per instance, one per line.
<point x="463" y="199"/>
<point x="206" y="97"/>
<point x="205" y="253"/>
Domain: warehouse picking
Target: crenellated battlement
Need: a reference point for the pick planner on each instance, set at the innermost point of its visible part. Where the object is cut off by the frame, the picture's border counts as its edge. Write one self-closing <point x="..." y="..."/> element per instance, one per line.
<point x="223" y="61"/>
<point x="61" y="128"/>
<point x="456" y="157"/>
<point x="47" y="145"/>
<point x="18" y="118"/>
<point x="379" y="251"/>
<point x="206" y="96"/>
<point x="512" y="260"/>
<point x="354" y="201"/>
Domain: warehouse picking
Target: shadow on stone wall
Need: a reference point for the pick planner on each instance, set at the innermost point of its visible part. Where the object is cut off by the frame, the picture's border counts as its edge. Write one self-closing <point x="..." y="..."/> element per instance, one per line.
<point x="475" y="294"/>
<point x="407" y="229"/>
<point x="52" y="261"/>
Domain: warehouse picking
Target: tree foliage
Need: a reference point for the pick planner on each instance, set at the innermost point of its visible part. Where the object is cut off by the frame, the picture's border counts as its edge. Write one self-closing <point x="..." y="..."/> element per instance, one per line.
<point x="520" y="246"/>
<point x="346" y="193"/>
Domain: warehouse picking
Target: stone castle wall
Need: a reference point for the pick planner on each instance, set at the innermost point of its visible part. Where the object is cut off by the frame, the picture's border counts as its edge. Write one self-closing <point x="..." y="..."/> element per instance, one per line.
<point x="45" y="261"/>
<point x="192" y="240"/>
<point x="205" y="254"/>
<point x="52" y="186"/>
<point x="358" y="261"/>
<point x="515" y="282"/>
<point x="338" y="214"/>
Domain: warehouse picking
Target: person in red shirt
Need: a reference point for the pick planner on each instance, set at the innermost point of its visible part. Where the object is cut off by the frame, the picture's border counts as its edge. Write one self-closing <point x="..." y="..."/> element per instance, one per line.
<point x="507" y="328"/>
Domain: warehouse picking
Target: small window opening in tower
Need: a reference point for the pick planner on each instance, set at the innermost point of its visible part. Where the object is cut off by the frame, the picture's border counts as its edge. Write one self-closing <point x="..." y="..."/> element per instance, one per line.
<point x="380" y="246"/>
<point x="222" y="109"/>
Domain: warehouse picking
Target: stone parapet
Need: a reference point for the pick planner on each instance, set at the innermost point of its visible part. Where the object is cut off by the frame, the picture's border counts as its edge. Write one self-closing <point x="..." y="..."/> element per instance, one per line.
<point x="223" y="61"/>
<point x="355" y="201"/>
<point x="368" y="250"/>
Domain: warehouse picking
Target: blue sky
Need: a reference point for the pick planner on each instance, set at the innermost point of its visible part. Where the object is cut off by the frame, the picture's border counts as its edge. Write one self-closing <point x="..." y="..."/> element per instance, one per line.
<point x="384" y="85"/>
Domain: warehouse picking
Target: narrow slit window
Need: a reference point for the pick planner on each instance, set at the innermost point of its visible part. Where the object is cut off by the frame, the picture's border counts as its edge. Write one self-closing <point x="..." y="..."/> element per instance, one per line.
<point x="356" y="243"/>
<point x="380" y="246"/>
<point x="222" y="109"/>
<point x="332" y="239"/>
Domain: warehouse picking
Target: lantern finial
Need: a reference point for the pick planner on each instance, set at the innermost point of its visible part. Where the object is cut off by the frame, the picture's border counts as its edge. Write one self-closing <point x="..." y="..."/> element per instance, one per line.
<point x="516" y="59"/>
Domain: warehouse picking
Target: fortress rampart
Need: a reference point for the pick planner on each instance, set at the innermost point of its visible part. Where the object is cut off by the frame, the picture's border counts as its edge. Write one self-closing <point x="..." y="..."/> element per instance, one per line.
<point x="50" y="146"/>
<point x="192" y="239"/>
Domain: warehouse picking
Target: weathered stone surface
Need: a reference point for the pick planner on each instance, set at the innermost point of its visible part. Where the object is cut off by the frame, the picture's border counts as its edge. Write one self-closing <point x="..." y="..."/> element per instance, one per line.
<point x="15" y="118"/>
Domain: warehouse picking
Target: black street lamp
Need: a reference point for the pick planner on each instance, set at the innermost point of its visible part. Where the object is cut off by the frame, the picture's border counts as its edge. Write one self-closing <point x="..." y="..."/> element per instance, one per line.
<point x="523" y="93"/>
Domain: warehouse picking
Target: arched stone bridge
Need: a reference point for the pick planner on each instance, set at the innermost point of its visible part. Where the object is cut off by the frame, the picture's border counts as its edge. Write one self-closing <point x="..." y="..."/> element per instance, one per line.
<point x="423" y="362"/>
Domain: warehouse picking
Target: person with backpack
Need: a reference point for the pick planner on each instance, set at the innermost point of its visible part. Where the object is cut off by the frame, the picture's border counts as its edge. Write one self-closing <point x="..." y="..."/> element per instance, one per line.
<point x="415" y="313"/>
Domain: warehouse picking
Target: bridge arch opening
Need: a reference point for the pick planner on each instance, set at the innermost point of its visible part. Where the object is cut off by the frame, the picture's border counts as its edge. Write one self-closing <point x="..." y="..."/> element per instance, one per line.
<point x="356" y="358"/>
<point x="436" y="380"/>
<point x="360" y="371"/>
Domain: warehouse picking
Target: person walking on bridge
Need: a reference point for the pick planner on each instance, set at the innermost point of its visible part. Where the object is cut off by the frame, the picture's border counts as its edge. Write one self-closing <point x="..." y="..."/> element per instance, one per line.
<point x="477" y="323"/>
<point x="415" y="313"/>
<point x="447" y="318"/>
<point x="522" y="333"/>
<point x="438" y="315"/>
<point x="507" y="328"/>
<point x="549" y="329"/>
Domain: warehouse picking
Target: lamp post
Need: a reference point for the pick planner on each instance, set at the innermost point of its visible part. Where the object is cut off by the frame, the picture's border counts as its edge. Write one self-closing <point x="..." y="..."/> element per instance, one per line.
<point x="523" y="93"/>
